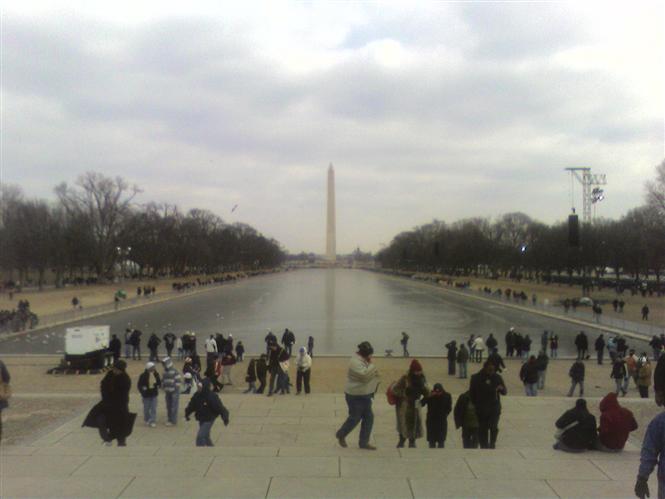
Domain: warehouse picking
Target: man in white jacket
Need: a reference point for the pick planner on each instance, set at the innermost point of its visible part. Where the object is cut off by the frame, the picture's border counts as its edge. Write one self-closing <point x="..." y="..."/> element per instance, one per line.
<point x="304" y="365"/>
<point x="361" y="384"/>
<point x="479" y="348"/>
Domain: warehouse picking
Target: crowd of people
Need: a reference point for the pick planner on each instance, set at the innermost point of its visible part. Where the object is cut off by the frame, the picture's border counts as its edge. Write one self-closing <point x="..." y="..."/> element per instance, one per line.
<point x="18" y="319"/>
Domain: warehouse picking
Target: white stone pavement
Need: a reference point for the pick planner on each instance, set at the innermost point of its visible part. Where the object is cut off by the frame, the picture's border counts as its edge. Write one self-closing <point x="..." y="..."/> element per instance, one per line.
<point x="284" y="447"/>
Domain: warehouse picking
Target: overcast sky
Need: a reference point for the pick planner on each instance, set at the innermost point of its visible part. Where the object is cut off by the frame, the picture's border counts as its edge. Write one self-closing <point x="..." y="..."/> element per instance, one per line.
<point x="426" y="110"/>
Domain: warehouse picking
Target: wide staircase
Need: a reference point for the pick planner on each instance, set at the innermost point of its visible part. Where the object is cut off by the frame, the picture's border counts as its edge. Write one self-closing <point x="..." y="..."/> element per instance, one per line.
<point x="284" y="447"/>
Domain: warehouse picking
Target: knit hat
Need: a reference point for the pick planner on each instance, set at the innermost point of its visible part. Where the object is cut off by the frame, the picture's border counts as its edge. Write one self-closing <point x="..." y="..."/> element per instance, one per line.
<point x="149" y="365"/>
<point x="438" y="387"/>
<point x="415" y="366"/>
<point x="168" y="363"/>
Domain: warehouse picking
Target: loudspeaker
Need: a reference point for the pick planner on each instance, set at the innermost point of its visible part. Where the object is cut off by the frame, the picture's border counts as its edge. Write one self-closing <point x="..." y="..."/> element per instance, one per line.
<point x="573" y="230"/>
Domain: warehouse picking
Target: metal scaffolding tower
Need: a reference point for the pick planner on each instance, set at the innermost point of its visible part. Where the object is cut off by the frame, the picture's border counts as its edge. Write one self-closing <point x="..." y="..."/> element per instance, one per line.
<point x="590" y="194"/>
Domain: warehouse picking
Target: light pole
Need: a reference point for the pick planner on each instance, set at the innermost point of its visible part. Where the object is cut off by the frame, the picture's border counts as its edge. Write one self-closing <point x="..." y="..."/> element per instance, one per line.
<point x="123" y="253"/>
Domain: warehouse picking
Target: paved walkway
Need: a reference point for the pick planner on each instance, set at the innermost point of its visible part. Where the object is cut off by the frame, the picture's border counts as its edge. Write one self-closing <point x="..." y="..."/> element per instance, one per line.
<point x="284" y="447"/>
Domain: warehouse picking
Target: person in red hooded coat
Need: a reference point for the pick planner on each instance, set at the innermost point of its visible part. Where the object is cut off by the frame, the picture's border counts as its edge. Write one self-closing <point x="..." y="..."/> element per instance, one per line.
<point x="616" y="423"/>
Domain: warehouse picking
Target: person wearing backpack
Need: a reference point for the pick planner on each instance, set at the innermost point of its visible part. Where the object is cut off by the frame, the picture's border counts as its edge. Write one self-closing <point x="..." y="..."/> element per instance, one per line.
<point x="439" y="404"/>
<point x="206" y="406"/>
<point x="466" y="418"/>
<point x="408" y="390"/>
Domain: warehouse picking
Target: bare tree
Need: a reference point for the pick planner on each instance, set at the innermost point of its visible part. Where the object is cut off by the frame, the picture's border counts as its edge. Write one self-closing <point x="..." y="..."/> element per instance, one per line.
<point x="656" y="190"/>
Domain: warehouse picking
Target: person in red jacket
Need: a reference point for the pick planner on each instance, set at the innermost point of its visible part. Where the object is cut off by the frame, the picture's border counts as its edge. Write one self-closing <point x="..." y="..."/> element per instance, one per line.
<point x="616" y="423"/>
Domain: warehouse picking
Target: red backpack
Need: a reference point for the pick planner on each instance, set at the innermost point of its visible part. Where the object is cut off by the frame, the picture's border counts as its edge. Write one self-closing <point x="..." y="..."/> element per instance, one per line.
<point x="390" y="394"/>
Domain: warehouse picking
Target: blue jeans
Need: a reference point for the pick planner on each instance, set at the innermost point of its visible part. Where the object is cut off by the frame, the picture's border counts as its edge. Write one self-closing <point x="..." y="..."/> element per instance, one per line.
<point x="150" y="409"/>
<point x="530" y="389"/>
<point x="360" y="411"/>
<point x="572" y="388"/>
<point x="462" y="369"/>
<point x="541" y="380"/>
<point x="128" y="350"/>
<point x="203" y="435"/>
<point x="172" y="399"/>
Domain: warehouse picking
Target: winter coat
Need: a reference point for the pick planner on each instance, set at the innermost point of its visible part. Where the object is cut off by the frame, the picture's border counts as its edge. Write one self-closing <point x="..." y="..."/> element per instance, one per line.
<point x="491" y="342"/>
<point x="616" y="423"/>
<point x="172" y="379"/>
<point x="169" y="340"/>
<point x="409" y="421"/>
<point x="452" y="351"/>
<point x="303" y="362"/>
<point x="577" y="371"/>
<point x="115" y="346"/>
<point x="485" y="394"/>
<point x="240" y="349"/>
<point x="600" y="344"/>
<point x="251" y="371"/>
<point x="479" y="344"/>
<point x="361" y="377"/>
<point x="149" y="387"/>
<point x="462" y="356"/>
<point x="439" y="406"/>
<point x="135" y="338"/>
<point x="582" y="435"/>
<point x="274" y="358"/>
<point x="496" y="359"/>
<point x="114" y="406"/>
<point x="465" y="412"/>
<point x="206" y="405"/>
<point x="529" y="373"/>
<point x="261" y="369"/>
<point x="644" y="375"/>
<point x="618" y="370"/>
<point x="541" y="362"/>
<point x="153" y="342"/>
<point x="581" y="342"/>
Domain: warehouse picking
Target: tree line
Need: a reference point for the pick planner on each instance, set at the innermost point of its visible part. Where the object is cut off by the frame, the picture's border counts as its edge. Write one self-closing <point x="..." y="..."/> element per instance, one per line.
<point x="96" y="228"/>
<point x="515" y="246"/>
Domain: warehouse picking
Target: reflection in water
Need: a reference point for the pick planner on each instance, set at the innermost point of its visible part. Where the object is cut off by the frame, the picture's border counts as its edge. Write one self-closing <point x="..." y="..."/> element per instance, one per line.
<point x="329" y="306"/>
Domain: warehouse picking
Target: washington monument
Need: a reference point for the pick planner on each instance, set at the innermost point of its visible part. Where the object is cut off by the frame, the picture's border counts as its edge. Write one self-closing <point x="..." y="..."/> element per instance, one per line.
<point x="331" y="246"/>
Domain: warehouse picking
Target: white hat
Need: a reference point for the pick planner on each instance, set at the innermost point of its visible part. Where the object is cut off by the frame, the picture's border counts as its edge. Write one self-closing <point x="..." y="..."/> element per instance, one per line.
<point x="188" y="375"/>
<point x="150" y="365"/>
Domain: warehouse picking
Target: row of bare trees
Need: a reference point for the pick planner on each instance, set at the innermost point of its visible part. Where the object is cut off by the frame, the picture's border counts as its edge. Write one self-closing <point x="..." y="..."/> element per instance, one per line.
<point x="514" y="245"/>
<point x="96" y="229"/>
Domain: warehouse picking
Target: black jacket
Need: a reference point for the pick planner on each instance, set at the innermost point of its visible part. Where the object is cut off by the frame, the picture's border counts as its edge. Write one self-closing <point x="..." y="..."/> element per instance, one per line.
<point x="529" y="373"/>
<point x="541" y="362"/>
<point x="491" y="342"/>
<point x="153" y="342"/>
<point x="115" y="346"/>
<point x="496" y="359"/>
<point x="251" y="371"/>
<point x="583" y="434"/>
<point x="618" y="370"/>
<point x="485" y="394"/>
<point x="452" y="351"/>
<point x="206" y="405"/>
<point x="144" y="382"/>
<point x="114" y="406"/>
<point x="600" y="344"/>
<point x="261" y="369"/>
<point x="577" y="371"/>
<point x="438" y="408"/>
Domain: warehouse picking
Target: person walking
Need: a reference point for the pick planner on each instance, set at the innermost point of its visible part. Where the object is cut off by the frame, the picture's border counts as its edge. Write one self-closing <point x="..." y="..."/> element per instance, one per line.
<point x="479" y="348"/>
<point x="228" y="361"/>
<point x="153" y="345"/>
<point x="5" y="391"/>
<point x="541" y="364"/>
<point x="452" y="356"/>
<point x="644" y="377"/>
<point x="288" y="340"/>
<point x="275" y="356"/>
<point x="179" y="348"/>
<point x="136" y="344"/>
<point x="206" y="406"/>
<point x="115" y="347"/>
<point x="362" y="382"/>
<point x="251" y="376"/>
<point x="576" y="374"/>
<point x="408" y="391"/>
<point x="529" y="377"/>
<point x="599" y="346"/>
<point x="471" y="345"/>
<point x="656" y="347"/>
<point x="486" y="388"/>
<point x="148" y="385"/>
<point x="576" y="429"/>
<point x="653" y="445"/>
<point x="128" y="343"/>
<point x="304" y="370"/>
<point x="111" y="415"/>
<point x="544" y="340"/>
<point x="554" y="346"/>
<point x="171" y="385"/>
<point x="212" y="351"/>
<point x="466" y="418"/>
<point x="310" y="346"/>
<point x="439" y="404"/>
<point x="526" y="347"/>
<point x="645" y="312"/>
<point x="619" y="374"/>
<point x="462" y="360"/>
<point x="240" y="351"/>
<point x="510" y="342"/>
<point x="405" y="344"/>
<point x="169" y="342"/>
<point x="262" y="372"/>
<point x="269" y="339"/>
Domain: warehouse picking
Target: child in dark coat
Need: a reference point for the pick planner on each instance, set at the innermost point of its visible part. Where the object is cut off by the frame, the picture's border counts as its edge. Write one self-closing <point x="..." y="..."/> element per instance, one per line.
<point x="439" y="404"/>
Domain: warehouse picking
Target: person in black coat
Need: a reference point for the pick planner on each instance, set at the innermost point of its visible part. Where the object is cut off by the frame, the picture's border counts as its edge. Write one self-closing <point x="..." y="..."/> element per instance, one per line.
<point x="486" y="388"/>
<point x="439" y="404"/>
<point x="115" y="346"/>
<point x="262" y="372"/>
<point x="111" y="416"/>
<point x="576" y="429"/>
<point x="206" y="407"/>
<point x="169" y="342"/>
<point x="452" y="356"/>
<point x="599" y="345"/>
<point x="492" y="344"/>
<point x="582" y="344"/>
<point x="153" y="345"/>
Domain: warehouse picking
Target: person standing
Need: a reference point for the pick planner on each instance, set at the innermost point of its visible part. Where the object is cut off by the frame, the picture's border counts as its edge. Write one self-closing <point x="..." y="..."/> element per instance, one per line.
<point x="452" y="356"/>
<point x="478" y="348"/>
<point x="361" y="384"/>
<point x="212" y="351"/>
<point x="136" y="344"/>
<point x="288" y="340"/>
<point x="541" y="364"/>
<point x="582" y="345"/>
<point x="656" y="347"/>
<point x="405" y="344"/>
<point x="206" y="406"/>
<point x="148" y="385"/>
<point x="576" y="374"/>
<point x="251" y="376"/>
<point x="485" y="390"/>
<point x="526" y="347"/>
<point x="262" y="372"/>
<point x="111" y="416"/>
<point x="439" y="404"/>
<point x="645" y="312"/>
<point x="462" y="360"/>
<point x="408" y="392"/>
<point x="269" y="339"/>
<point x="644" y="377"/>
<point x="466" y="418"/>
<point x="544" y="339"/>
<point x="599" y="346"/>
<point x="510" y="342"/>
<point x="529" y="377"/>
<point x="179" y="348"/>
<point x="228" y="361"/>
<point x="554" y="346"/>
<point x="304" y="370"/>
<point x="115" y="347"/>
<point x="276" y="353"/>
<point x="171" y="385"/>
<point x="153" y="345"/>
<point x="240" y="351"/>
<point x="5" y="391"/>
<point x="169" y="342"/>
<point x="128" y="343"/>
<point x="491" y="344"/>
<point x="310" y="346"/>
